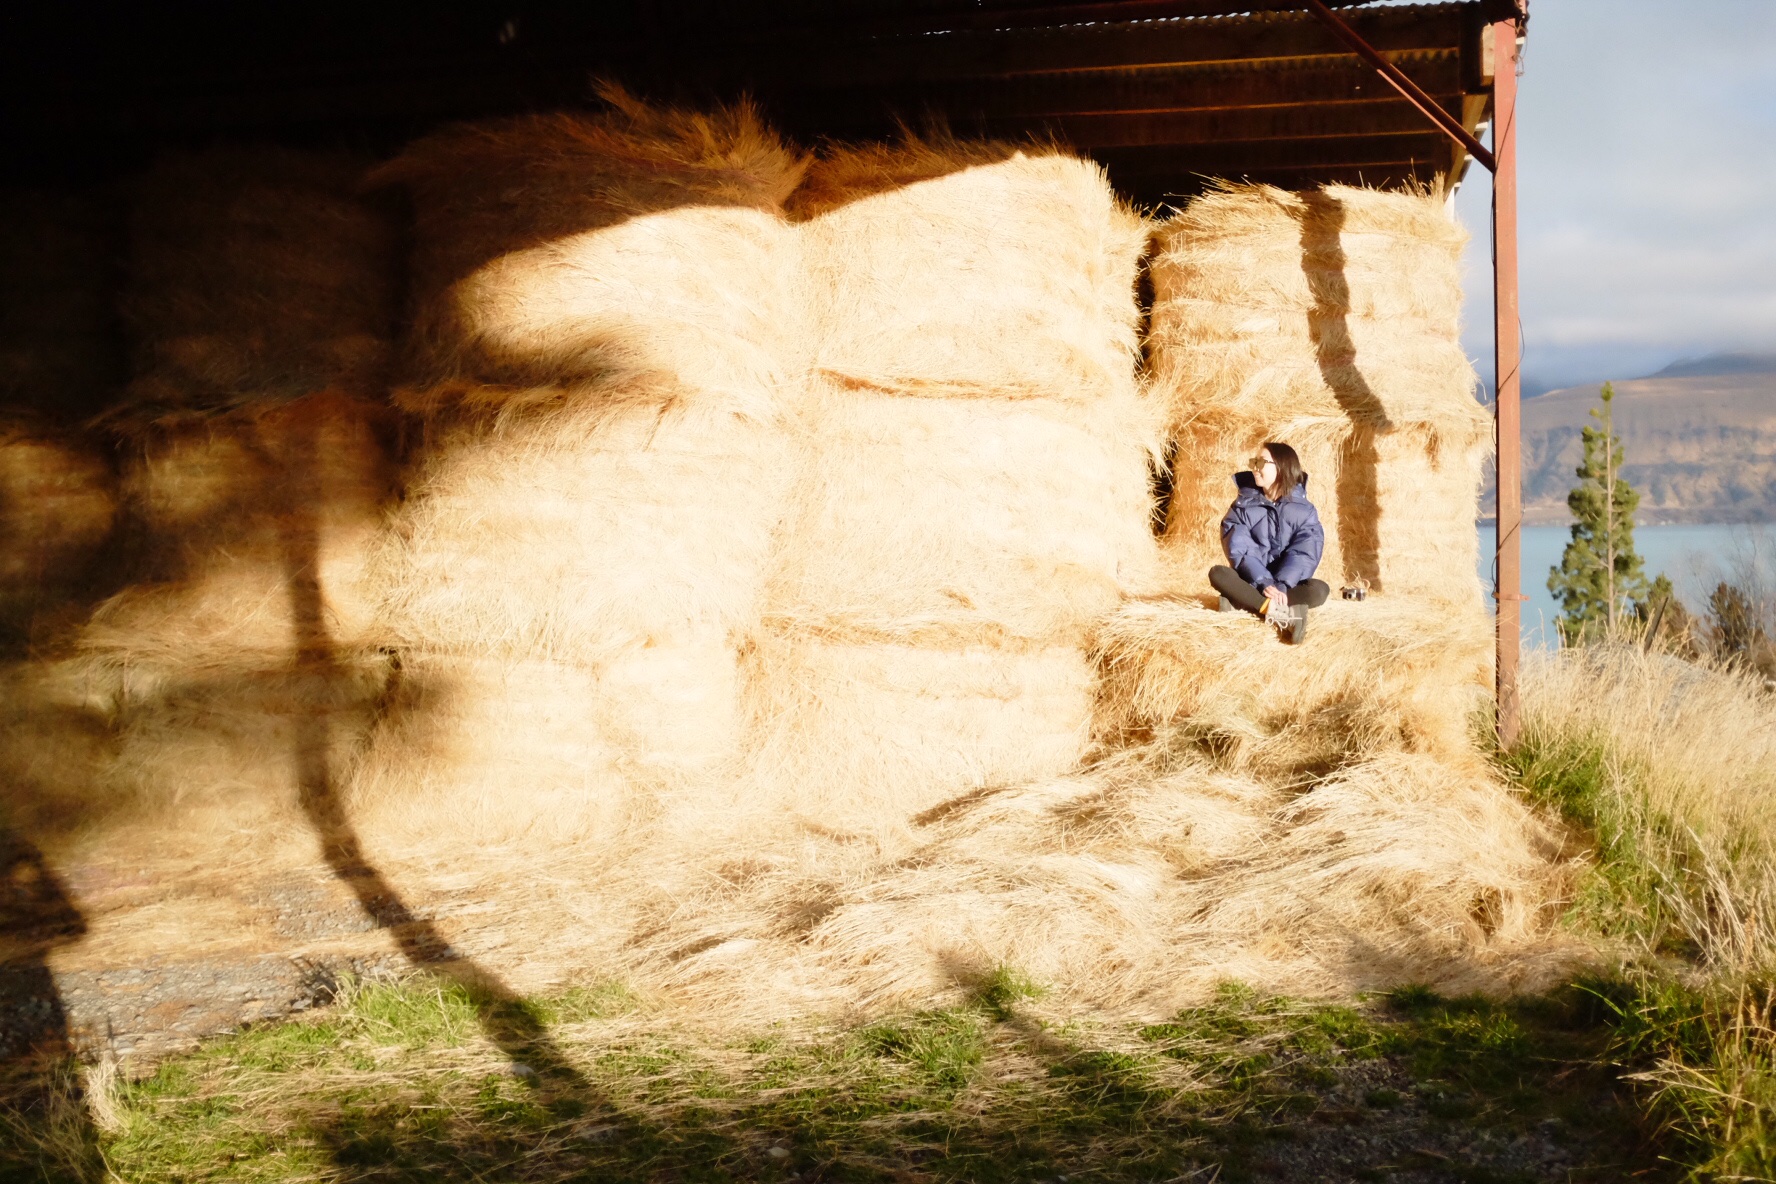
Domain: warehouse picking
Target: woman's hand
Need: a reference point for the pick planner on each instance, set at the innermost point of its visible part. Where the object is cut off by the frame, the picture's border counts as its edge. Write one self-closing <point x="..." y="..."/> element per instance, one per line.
<point x="1279" y="599"/>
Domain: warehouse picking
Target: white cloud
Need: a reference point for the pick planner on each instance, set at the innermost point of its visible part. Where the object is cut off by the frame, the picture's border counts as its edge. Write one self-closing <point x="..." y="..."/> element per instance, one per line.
<point x="1647" y="186"/>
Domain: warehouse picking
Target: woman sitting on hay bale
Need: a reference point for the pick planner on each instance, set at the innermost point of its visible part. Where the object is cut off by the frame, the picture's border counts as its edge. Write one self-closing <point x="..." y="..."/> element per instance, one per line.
<point x="1273" y="539"/>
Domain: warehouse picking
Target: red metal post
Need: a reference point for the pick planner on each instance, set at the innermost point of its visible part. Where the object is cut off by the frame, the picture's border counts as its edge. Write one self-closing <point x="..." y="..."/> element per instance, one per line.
<point x="1507" y="349"/>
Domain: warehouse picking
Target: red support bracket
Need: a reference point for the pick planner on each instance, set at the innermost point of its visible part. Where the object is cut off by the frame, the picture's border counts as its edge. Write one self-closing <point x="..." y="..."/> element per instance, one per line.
<point x="1408" y="89"/>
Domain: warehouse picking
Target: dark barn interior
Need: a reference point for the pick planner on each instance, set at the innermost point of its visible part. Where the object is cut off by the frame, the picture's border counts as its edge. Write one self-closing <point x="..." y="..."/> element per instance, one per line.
<point x="1164" y="92"/>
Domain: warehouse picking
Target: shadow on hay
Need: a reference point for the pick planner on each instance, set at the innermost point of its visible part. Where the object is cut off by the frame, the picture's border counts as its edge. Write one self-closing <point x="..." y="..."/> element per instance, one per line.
<point x="40" y="1099"/>
<point x="1359" y="509"/>
<point x="505" y="1017"/>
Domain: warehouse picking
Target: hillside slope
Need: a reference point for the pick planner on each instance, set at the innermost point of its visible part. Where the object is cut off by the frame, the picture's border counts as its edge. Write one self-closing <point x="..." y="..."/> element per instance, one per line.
<point x="1698" y="447"/>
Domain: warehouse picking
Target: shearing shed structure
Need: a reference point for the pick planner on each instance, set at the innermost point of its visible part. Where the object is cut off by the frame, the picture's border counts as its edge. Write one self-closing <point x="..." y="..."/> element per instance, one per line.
<point x="720" y="497"/>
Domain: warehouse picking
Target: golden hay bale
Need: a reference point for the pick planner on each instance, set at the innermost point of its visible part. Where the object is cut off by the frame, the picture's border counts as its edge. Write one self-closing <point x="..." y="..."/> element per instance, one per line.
<point x="486" y="190"/>
<point x="60" y="349"/>
<point x="1340" y="303"/>
<point x="1398" y="508"/>
<point x="1329" y="321"/>
<point x="57" y="499"/>
<point x="971" y="482"/>
<point x="477" y="750"/>
<point x="188" y="761"/>
<point x="256" y="272"/>
<point x="574" y="530"/>
<point x="701" y="292"/>
<point x="249" y="530"/>
<point x="1007" y="279"/>
<point x="624" y="542"/>
<point x="1373" y="676"/>
<point x="1011" y="518"/>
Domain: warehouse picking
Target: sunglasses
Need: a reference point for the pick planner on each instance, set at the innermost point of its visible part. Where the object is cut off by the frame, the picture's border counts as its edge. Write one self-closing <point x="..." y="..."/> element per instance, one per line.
<point x="1258" y="462"/>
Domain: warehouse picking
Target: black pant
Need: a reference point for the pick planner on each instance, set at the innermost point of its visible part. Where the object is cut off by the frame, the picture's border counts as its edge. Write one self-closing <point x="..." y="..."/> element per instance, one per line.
<point x="1232" y="585"/>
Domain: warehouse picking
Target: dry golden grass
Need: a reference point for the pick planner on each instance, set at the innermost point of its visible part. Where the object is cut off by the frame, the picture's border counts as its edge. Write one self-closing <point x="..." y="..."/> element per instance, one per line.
<point x="1688" y="765"/>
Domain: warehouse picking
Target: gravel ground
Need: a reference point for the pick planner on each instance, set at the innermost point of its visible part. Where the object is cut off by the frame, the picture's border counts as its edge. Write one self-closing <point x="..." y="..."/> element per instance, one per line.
<point x="1379" y="1123"/>
<point x="149" y="1012"/>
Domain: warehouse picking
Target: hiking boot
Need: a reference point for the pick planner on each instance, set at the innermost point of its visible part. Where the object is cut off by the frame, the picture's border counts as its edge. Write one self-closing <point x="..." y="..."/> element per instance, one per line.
<point x="1226" y="605"/>
<point x="1293" y="624"/>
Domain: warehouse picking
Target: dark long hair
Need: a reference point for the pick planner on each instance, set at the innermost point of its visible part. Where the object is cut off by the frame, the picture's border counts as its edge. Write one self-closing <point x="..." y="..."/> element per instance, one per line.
<point x="1289" y="472"/>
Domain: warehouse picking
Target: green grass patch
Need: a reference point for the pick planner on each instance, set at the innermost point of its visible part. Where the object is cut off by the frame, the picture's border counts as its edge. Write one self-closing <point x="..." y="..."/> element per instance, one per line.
<point x="1701" y="1044"/>
<point x="399" y="1082"/>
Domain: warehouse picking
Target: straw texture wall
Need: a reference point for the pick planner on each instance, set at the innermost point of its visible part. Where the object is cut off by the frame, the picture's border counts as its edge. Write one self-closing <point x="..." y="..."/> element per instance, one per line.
<point x="254" y="436"/>
<point x="972" y="470"/>
<point x="234" y="670"/>
<point x="610" y="341"/>
<point x="256" y="273"/>
<point x="1330" y="321"/>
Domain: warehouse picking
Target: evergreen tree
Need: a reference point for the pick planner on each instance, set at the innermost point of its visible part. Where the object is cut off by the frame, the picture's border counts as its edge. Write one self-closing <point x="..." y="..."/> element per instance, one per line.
<point x="1736" y="628"/>
<point x="1668" y="623"/>
<point x="1599" y="580"/>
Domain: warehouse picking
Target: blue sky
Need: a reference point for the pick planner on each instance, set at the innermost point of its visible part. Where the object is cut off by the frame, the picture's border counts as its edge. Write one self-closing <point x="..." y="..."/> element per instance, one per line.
<point x="1647" y="176"/>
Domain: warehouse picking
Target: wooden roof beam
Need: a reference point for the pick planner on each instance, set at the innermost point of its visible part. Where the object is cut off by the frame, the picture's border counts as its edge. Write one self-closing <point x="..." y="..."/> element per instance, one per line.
<point x="1235" y="159"/>
<point x="1161" y="88"/>
<point x="875" y="61"/>
<point x="1321" y="121"/>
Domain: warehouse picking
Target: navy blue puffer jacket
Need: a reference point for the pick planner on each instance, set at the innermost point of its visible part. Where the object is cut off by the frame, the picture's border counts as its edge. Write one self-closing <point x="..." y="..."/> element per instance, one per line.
<point x="1272" y="543"/>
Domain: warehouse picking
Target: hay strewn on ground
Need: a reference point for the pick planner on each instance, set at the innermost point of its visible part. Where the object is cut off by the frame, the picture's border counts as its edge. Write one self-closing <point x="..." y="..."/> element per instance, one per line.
<point x="1329" y="321"/>
<point x="1381" y="675"/>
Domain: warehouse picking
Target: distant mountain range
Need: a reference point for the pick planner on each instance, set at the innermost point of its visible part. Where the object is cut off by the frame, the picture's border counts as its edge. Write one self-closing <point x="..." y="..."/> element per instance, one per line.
<point x="1698" y="439"/>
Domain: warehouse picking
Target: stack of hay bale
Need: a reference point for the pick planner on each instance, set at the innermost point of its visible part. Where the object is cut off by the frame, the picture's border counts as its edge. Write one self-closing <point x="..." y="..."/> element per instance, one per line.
<point x="972" y="478"/>
<point x="58" y="361"/>
<point x="1309" y="820"/>
<point x="56" y="505"/>
<point x="606" y="345"/>
<point x="733" y="538"/>
<point x="1329" y="321"/>
<point x="254" y="442"/>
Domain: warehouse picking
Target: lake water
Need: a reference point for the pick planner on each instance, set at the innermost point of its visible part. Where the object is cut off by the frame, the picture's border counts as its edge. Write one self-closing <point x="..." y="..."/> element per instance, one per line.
<point x="1695" y="557"/>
